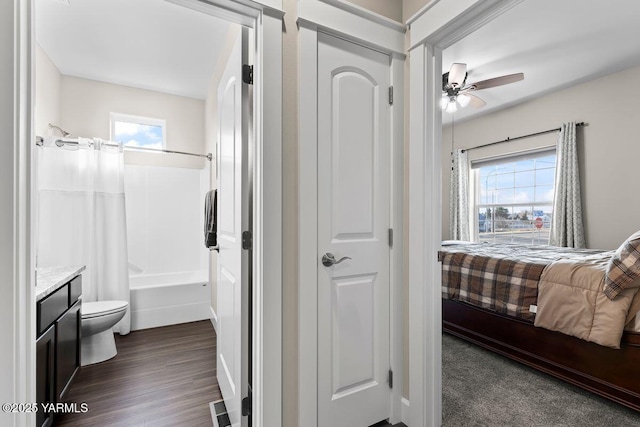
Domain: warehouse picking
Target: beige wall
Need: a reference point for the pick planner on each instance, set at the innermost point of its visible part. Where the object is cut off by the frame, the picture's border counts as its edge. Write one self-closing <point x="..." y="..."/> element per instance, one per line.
<point x="392" y="9"/>
<point x="411" y="7"/>
<point x="211" y="136"/>
<point x="47" y="93"/>
<point x="86" y="106"/>
<point x="609" y="148"/>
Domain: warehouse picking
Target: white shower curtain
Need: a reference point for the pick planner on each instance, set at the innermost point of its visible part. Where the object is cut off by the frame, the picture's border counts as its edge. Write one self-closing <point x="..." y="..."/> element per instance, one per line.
<point x="566" y="226"/>
<point x="459" y="227"/>
<point x="81" y="217"/>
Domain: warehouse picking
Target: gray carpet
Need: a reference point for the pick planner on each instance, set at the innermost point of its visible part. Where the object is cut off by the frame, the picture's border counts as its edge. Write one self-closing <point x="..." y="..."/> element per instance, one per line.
<point x="480" y="388"/>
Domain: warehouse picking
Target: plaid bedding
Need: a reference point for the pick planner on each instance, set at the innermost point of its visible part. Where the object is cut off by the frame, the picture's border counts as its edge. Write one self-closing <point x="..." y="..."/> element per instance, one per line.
<point x="499" y="277"/>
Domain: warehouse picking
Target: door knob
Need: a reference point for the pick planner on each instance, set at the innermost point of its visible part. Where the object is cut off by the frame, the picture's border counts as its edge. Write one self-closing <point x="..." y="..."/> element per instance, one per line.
<point x="328" y="259"/>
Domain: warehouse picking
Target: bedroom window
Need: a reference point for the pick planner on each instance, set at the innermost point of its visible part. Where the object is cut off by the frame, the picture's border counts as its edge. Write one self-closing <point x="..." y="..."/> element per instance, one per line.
<point x="136" y="131"/>
<point x="514" y="198"/>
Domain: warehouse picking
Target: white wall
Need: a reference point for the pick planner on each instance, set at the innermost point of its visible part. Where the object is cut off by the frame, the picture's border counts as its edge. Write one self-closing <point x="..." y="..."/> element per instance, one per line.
<point x="47" y="92"/>
<point x="609" y="148"/>
<point x="8" y="181"/>
<point x="165" y="218"/>
<point x="87" y="104"/>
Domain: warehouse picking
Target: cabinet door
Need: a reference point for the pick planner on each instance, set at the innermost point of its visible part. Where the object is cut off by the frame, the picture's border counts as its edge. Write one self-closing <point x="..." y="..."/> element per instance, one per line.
<point x="67" y="349"/>
<point x="45" y="375"/>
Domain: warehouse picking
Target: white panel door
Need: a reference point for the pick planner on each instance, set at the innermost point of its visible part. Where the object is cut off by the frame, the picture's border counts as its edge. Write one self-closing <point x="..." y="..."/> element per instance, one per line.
<point x="233" y="219"/>
<point x="353" y="221"/>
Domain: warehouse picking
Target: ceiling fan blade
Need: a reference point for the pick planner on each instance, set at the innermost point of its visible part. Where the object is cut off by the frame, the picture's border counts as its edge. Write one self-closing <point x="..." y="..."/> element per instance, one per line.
<point x="475" y="101"/>
<point x="457" y="74"/>
<point x="496" y="81"/>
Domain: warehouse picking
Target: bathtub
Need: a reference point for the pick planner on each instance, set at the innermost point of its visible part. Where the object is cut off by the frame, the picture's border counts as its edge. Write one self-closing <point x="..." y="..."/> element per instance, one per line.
<point x="169" y="299"/>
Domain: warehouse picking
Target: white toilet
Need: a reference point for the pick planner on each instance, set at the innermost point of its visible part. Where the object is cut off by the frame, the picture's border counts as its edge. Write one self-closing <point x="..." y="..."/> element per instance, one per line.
<point x="98" y="343"/>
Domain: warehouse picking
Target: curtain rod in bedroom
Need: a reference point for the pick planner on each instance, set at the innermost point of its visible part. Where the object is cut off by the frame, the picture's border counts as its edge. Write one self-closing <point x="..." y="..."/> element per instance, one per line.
<point x="520" y="137"/>
<point x="61" y="142"/>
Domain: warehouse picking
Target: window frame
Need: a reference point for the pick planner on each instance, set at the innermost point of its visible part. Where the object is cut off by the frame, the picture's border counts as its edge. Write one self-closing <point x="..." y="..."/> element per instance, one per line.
<point x="475" y="187"/>
<point x="139" y="120"/>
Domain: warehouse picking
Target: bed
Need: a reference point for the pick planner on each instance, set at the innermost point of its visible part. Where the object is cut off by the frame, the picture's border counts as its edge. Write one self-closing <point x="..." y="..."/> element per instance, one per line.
<point x="521" y="302"/>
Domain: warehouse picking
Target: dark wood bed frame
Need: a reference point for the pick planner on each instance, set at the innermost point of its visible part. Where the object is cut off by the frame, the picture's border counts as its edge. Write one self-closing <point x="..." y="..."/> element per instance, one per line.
<point x="613" y="374"/>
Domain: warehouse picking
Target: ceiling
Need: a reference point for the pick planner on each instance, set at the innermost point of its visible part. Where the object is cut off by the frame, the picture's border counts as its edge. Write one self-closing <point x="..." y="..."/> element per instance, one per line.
<point x="148" y="44"/>
<point x="556" y="44"/>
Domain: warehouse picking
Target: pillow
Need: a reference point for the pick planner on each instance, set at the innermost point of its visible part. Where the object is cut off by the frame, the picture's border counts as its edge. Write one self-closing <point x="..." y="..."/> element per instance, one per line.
<point x="623" y="267"/>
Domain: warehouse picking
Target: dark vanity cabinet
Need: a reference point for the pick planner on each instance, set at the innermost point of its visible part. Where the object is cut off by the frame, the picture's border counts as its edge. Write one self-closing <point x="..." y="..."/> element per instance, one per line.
<point x="67" y="349"/>
<point x="45" y="378"/>
<point x="58" y="320"/>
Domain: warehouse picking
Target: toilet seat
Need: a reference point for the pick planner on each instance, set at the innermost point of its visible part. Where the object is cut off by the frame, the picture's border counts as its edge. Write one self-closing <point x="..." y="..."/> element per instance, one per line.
<point x="102" y="308"/>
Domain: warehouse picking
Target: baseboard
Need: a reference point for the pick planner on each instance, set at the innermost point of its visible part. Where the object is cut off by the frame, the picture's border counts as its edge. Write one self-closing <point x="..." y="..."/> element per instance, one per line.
<point x="404" y="411"/>
<point x="214" y="319"/>
<point x="165" y="316"/>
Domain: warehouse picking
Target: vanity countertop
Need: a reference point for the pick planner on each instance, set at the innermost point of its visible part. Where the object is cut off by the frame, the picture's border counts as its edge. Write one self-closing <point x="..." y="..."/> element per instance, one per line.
<point x="50" y="279"/>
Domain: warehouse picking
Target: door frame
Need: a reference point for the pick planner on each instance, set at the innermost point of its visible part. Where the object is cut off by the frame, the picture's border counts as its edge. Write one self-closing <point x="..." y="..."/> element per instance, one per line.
<point x="359" y="26"/>
<point x="17" y="47"/>
<point x="432" y="29"/>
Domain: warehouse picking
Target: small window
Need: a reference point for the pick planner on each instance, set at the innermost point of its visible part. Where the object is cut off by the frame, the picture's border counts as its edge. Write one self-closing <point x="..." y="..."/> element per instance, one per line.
<point x="135" y="131"/>
<point x="514" y="198"/>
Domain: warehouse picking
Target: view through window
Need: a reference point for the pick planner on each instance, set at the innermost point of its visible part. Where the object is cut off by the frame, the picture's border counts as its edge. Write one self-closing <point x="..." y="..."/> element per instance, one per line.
<point x="514" y="198"/>
<point x="134" y="131"/>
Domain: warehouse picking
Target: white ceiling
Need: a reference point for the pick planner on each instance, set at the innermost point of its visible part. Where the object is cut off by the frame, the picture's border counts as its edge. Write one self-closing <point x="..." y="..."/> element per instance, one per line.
<point x="148" y="44"/>
<point x="556" y="44"/>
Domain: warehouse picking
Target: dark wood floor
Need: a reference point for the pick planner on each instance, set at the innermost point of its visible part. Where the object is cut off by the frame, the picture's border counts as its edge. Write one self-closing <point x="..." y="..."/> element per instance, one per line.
<point x="160" y="377"/>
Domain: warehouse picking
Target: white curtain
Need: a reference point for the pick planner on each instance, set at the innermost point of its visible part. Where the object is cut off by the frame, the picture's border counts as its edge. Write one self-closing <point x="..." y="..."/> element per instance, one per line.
<point x="81" y="217"/>
<point x="459" y="200"/>
<point x="566" y="226"/>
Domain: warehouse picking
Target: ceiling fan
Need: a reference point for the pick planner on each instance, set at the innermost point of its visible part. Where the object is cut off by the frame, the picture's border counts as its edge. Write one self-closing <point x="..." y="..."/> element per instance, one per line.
<point x="456" y="92"/>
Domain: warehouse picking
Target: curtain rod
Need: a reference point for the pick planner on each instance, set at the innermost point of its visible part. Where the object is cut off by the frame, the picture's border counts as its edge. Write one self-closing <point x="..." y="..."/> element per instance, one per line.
<point x="61" y="142"/>
<point x="520" y="137"/>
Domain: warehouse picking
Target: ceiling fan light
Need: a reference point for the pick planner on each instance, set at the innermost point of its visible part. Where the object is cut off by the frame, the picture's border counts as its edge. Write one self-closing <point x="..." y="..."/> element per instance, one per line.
<point x="463" y="100"/>
<point x="444" y="101"/>
<point x="451" y="106"/>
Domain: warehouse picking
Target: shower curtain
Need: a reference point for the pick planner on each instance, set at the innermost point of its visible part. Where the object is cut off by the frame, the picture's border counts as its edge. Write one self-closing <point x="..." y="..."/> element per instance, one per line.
<point x="81" y="217"/>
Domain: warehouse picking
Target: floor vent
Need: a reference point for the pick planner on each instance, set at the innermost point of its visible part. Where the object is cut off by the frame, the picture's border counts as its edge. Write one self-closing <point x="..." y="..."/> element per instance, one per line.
<point x="219" y="414"/>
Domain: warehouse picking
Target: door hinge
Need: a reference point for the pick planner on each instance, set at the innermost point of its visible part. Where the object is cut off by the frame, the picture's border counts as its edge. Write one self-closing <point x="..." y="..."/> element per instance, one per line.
<point x="247" y="74"/>
<point x="390" y="378"/>
<point x="391" y="237"/>
<point x="247" y="240"/>
<point x="390" y="95"/>
<point x="246" y="405"/>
